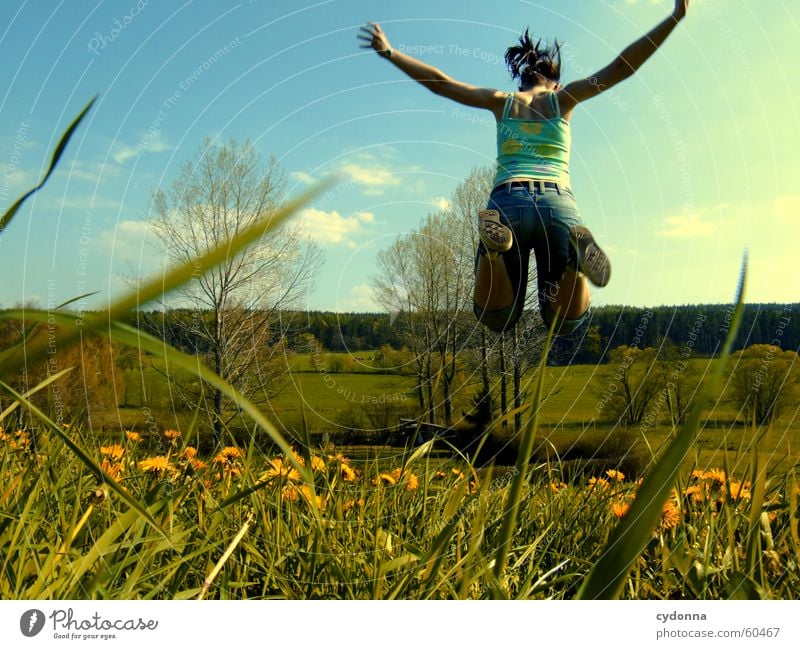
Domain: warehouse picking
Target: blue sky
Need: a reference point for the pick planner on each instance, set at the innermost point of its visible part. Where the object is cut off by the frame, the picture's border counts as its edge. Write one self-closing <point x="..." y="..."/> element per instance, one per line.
<point x="676" y="171"/>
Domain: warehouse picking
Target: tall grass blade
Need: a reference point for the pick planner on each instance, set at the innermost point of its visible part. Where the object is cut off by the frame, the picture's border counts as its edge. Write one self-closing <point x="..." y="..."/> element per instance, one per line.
<point x="630" y="537"/>
<point x="34" y="390"/>
<point x="225" y="556"/>
<point x="62" y="144"/>
<point x="521" y="468"/>
<point x="11" y="360"/>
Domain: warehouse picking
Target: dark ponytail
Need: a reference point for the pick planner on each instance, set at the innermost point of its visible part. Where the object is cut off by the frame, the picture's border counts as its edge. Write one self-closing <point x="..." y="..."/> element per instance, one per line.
<point x="527" y="62"/>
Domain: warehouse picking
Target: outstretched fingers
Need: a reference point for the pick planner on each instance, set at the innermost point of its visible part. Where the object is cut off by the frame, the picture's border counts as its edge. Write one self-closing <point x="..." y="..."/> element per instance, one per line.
<point x="372" y="36"/>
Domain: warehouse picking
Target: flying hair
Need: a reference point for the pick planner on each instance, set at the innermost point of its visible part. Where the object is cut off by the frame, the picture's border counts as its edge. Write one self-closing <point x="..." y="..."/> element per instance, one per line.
<point x="528" y="61"/>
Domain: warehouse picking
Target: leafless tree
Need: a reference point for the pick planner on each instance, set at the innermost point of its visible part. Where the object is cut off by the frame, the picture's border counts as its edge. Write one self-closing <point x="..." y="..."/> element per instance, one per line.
<point x="235" y="308"/>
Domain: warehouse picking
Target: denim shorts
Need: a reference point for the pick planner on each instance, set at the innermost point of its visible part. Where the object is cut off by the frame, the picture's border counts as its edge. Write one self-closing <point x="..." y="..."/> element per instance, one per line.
<point x="540" y="219"/>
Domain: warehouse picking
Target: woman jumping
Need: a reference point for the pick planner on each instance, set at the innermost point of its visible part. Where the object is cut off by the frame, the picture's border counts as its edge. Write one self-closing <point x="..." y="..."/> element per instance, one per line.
<point x="532" y="205"/>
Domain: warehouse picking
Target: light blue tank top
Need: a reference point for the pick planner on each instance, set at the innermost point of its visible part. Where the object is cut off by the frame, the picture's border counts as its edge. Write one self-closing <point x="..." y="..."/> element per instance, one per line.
<point x="533" y="149"/>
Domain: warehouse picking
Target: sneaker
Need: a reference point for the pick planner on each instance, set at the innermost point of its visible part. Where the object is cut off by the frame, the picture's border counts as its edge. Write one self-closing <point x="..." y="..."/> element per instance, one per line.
<point x="591" y="260"/>
<point x="496" y="237"/>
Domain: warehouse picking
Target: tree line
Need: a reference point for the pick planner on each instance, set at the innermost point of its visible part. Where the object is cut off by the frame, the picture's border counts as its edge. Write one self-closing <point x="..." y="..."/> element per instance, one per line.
<point x="608" y="328"/>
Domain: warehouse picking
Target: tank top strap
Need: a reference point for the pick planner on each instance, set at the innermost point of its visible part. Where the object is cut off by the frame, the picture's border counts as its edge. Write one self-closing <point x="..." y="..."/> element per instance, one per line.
<point x="553" y="97"/>
<point x="507" y="106"/>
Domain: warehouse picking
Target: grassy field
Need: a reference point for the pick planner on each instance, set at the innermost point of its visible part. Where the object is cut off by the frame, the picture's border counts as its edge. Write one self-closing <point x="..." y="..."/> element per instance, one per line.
<point x="91" y="510"/>
<point x="365" y="399"/>
<point x="241" y="524"/>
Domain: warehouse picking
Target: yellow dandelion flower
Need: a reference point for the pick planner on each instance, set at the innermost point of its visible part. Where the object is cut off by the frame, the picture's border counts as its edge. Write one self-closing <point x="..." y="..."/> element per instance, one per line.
<point x="597" y="483"/>
<point x="156" y="464"/>
<point x="620" y="508"/>
<point x="189" y="452"/>
<point x="715" y="475"/>
<point x="670" y="515"/>
<point x="351" y="504"/>
<point x="317" y="463"/>
<point x="305" y="491"/>
<point x="698" y="474"/>
<point x="387" y="478"/>
<point x="112" y="469"/>
<point x="280" y="469"/>
<point x="228" y="455"/>
<point x="459" y="475"/>
<point x="412" y="482"/>
<point x="172" y="434"/>
<point x="616" y="476"/>
<point x="3" y="436"/>
<point x="349" y="474"/>
<point x="439" y="475"/>
<point x="298" y="457"/>
<point x="740" y="490"/>
<point x="696" y="493"/>
<point x="133" y="436"/>
<point x="196" y="465"/>
<point x="115" y="451"/>
<point x="289" y="493"/>
<point x="555" y="487"/>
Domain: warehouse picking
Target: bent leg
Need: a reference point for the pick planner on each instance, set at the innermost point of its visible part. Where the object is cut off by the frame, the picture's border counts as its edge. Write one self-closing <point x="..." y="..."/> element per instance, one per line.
<point x="566" y="301"/>
<point x="571" y="295"/>
<point x="493" y="289"/>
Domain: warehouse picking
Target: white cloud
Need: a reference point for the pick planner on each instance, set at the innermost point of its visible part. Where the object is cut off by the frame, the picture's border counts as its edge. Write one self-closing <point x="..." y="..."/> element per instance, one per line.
<point x="787" y="209"/>
<point x="373" y="176"/>
<point x="440" y="202"/>
<point x="687" y="226"/>
<point x="16" y="181"/>
<point x="150" y="144"/>
<point x="360" y="299"/>
<point x="91" y="172"/>
<point x="302" y="177"/>
<point x="331" y="227"/>
<point x="130" y="242"/>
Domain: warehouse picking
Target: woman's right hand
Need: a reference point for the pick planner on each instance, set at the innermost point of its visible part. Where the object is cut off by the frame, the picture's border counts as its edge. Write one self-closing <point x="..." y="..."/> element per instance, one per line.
<point x="681" y="6"/>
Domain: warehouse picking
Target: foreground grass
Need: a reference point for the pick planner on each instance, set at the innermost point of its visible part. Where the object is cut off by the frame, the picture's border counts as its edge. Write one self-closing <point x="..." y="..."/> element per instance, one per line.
<point x="421" y="530"/>
<point x="108" y="523"/>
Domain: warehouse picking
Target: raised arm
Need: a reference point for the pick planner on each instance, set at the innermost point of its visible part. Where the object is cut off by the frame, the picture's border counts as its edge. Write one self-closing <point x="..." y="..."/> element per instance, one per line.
<point x="624" y="66"/>
<point x="432" y="78"/>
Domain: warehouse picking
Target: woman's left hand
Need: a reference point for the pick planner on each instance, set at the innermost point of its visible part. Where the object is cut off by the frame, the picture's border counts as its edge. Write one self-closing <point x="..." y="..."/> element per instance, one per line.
<point x="374" y="38"/>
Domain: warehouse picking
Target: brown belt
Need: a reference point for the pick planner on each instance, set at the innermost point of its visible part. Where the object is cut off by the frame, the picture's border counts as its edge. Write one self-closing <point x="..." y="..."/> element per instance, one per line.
<point x="533" y="186"/>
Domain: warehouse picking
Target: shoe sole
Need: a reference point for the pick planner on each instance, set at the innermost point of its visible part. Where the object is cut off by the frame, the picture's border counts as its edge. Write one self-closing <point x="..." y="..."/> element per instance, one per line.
<point x="592" y="261"/>
<point x="495" y="236"/>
